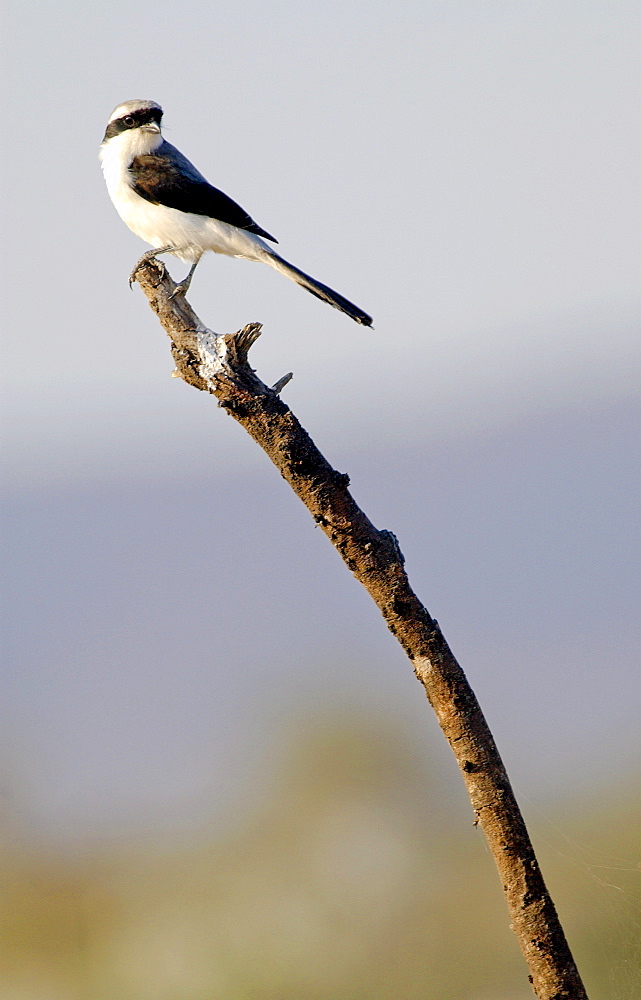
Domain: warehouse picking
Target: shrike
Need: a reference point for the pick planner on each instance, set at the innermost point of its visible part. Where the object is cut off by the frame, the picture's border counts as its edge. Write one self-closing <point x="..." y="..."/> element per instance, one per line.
<point x="168" y="203"/>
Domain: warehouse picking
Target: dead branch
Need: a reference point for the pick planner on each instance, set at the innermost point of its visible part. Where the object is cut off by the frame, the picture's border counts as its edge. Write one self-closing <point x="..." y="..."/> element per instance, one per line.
<point x="218" y="365"/>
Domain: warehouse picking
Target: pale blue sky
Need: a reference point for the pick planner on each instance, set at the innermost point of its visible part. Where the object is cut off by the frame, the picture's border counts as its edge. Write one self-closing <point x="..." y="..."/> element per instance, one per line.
<point x="468" y="172"/>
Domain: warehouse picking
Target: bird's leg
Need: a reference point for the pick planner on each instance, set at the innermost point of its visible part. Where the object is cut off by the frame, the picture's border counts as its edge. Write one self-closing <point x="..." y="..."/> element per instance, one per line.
<point x="146" y="257"/>
<point x="182" y="286"/>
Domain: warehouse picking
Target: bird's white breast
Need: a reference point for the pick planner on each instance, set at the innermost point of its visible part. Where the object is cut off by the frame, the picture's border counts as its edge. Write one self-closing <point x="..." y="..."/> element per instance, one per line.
<point x="116" y="156"/>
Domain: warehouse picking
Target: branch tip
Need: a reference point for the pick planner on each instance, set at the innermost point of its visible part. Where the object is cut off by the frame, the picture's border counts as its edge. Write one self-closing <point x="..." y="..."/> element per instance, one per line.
<point x="244" y="339"/>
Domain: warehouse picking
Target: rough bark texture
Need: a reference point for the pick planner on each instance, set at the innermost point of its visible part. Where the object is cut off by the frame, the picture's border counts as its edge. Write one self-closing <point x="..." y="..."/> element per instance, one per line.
<point x="219" y="365"/>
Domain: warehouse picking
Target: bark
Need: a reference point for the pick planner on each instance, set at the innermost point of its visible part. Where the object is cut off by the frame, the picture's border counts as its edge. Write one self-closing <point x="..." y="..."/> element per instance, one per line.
<point x="218" y="364"/>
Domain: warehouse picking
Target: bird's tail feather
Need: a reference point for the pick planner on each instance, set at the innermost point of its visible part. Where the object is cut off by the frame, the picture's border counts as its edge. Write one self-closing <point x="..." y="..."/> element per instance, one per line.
<point x="318" y="289"/>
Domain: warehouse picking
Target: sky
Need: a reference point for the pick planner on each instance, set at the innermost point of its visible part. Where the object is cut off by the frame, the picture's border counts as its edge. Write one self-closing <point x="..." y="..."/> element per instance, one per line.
<point x="467" y="173"/>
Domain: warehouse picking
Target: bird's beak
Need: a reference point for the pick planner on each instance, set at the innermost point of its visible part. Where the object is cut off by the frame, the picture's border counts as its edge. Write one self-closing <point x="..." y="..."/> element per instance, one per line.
<point x="150" y="127"/>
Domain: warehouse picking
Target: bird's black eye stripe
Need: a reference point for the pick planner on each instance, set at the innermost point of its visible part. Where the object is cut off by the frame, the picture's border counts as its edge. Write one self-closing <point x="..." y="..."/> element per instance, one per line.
<point x="133" y="120"/>
<point x="139" y="118"/>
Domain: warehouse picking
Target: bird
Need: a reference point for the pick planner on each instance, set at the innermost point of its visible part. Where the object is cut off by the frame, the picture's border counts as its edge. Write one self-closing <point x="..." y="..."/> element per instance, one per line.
<point x="166" y="201"/>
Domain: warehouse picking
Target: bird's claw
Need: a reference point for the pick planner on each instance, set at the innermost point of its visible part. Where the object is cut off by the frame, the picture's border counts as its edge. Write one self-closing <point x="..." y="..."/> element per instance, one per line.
<point x="146" y="257"/>
<point x="133" y="277"/>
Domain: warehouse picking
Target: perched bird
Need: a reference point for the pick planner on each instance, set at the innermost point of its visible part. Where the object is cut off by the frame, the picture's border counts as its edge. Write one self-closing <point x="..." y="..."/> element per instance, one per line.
<point x="169" y="204"/>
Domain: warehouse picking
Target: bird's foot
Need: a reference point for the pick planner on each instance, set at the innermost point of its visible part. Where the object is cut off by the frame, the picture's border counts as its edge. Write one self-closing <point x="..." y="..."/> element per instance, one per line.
<point x="181" y="288"/>
<point x="146" y="257"/>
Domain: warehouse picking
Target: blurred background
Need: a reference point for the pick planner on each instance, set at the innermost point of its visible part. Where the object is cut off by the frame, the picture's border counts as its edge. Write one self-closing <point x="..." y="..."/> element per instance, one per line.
<point x="220" y="777"/>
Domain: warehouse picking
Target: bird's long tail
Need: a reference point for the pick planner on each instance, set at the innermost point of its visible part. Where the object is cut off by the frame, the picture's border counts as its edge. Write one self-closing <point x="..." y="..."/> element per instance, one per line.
<point x="317" y="288"/>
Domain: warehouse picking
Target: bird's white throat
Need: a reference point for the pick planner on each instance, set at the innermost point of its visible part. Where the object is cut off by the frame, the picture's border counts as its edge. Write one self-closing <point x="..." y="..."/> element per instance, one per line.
<point x="117" y="153"/>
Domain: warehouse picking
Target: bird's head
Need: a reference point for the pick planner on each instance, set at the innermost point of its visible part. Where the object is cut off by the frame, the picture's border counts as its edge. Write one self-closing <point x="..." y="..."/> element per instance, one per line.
<point x="137" y="123"/>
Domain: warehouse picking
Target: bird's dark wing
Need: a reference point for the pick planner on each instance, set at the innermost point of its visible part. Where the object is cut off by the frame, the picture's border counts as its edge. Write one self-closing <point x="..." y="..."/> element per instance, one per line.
<point x="166" y="177"/>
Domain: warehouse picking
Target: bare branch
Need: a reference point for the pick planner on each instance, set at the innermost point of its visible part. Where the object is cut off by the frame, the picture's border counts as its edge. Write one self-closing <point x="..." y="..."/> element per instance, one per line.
<point x="218" y="364"/>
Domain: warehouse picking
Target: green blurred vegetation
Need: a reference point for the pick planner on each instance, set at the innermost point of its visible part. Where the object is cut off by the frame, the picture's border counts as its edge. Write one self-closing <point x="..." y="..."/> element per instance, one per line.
<point x="354" y="878"/>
